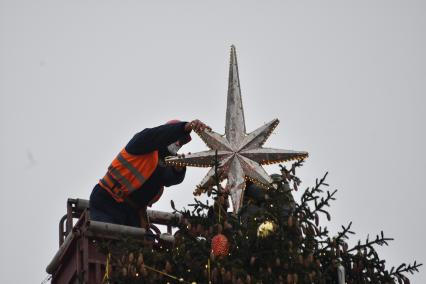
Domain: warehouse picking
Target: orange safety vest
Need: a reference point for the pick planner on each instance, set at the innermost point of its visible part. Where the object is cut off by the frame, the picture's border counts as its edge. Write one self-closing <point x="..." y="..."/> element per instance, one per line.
<point x="128" y="173"/>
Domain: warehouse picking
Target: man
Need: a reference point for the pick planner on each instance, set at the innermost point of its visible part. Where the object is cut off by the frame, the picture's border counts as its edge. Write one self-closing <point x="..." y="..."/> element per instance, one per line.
<point x="136" y="177"/>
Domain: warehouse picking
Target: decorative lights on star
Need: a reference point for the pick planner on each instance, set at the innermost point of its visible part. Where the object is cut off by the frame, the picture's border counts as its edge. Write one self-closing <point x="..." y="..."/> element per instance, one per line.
<point x="240" y="156"/>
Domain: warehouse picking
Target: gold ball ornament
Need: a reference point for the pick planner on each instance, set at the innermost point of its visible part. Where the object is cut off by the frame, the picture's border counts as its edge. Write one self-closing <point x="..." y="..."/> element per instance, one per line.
<point x="266" y="229"/>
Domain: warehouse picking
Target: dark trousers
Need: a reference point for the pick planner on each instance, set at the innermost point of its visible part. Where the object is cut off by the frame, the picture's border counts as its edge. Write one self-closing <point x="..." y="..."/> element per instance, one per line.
<point x="104" y="208"/>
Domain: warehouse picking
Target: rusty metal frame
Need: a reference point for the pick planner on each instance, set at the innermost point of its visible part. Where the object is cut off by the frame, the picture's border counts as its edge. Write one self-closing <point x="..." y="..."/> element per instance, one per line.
<point x="78" y="259"/>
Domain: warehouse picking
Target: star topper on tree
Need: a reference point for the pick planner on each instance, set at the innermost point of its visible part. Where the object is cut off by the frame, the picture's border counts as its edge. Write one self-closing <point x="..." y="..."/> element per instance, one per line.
<point x="240" y="155"/>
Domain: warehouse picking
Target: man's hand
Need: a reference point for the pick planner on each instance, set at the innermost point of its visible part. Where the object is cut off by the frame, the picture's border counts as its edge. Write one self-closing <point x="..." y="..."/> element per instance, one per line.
<point x="196" y="125"/>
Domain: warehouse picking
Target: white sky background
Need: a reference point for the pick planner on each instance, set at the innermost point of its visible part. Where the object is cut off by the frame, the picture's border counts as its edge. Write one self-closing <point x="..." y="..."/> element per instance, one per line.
<point x="79" y="78"/>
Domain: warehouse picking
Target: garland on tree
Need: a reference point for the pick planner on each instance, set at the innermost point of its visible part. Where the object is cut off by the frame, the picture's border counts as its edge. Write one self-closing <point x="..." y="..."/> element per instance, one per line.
<point x="273" y="239"/>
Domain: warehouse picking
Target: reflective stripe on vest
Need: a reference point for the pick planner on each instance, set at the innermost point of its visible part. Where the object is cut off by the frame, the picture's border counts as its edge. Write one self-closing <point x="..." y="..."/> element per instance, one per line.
<point x="134" y="171"/>
<point x="112" y="186"/>
<point x="128" y="173"/>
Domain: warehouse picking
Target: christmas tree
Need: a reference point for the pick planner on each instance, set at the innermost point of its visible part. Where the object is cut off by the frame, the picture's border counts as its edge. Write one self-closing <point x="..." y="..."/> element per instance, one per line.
<point x="267" y="237"/>
<point x="274" y="239"/>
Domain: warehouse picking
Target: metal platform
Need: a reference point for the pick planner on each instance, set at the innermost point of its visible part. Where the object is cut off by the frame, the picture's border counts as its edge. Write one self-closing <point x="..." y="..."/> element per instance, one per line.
<point x="78" y="259"/>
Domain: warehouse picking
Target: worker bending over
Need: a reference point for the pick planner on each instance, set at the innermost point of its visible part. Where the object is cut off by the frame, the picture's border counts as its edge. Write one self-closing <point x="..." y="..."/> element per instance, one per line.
<point x="136" y="177"/>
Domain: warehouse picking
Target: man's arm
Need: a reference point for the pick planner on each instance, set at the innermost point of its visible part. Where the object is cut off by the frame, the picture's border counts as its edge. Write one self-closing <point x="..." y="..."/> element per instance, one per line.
<point x="151" y="139"/>
<point x="172" y="176"/>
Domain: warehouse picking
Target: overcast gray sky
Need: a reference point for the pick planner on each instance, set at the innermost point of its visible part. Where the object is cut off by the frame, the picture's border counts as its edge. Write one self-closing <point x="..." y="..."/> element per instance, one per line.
<point x="79" y="78"/>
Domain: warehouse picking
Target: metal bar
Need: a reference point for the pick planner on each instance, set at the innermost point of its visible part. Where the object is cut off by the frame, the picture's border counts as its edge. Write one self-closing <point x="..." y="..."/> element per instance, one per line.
<point x="81" y="204"/>
<point x="163" y="218"/>
<point x="79" y="262"/>
<point x="61" y="229"/>
<point x="53" y="265"/>
<point x="155" y="216"/>
<point x="85" y="259"/>
<point x="69" y="216"/>
<point x="98" y="273"/>
<point x="108" y="230"/>
<point x="159" y="217"/>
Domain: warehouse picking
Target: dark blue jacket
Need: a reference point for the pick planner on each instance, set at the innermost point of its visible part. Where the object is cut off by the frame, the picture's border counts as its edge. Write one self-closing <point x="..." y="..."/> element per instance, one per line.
<point x="151" y="139"/>
<point x="104" y="208"/>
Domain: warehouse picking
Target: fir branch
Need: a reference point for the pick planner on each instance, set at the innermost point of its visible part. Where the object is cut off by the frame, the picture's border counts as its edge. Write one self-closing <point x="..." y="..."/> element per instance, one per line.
<point x="312" y="195"/>
<point x="380" y="240"/>
<point x="404" y="268"/>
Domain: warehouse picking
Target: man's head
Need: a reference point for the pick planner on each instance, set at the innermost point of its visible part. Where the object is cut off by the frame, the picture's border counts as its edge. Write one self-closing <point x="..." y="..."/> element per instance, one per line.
<point x="175" y="146"/>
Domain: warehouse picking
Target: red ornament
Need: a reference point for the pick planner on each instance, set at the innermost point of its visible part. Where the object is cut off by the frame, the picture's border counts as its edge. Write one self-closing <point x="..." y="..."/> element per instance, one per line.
<point x="220" y="245"/>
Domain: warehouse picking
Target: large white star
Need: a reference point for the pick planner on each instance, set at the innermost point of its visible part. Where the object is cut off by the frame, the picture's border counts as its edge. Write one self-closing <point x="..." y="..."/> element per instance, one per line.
<point x="239" y="155"/>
